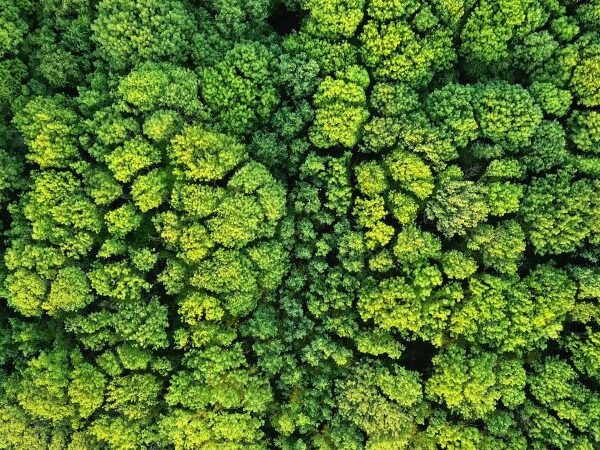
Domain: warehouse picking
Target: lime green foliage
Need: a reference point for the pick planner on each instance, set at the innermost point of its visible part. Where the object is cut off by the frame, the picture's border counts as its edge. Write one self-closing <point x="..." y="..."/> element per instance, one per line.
<point x="472" y="384"/>
<point x="137" y="154"/>
<point x="333" y="18"/>
<point x="151" y="86"/>
<point x="507" y="113"/>
<point x="451" y="109"/>
<point x="513" y="314"/>
<point x="69" y="291"/>
<point x="341" y="109"/>
<point x="299" y="224"/>
<point x="552" y="100"/>
<point x="585" y="85"/>
<point x="50" y="128"/>
<point x="385" y="404"/>
<point x="198" y="154"/>
<point x="563" y="411"/>
<point x="493" y="26"/>
<point x="501" y="247"/>
<point x="585" y="129"/>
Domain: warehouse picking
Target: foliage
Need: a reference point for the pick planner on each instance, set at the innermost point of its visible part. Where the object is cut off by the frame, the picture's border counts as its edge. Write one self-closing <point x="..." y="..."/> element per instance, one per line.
<point x="294" y="224"/>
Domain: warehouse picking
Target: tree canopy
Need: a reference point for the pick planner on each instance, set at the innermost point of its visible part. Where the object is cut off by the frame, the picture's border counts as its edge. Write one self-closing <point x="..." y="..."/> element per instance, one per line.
<point x="299" y="224"/>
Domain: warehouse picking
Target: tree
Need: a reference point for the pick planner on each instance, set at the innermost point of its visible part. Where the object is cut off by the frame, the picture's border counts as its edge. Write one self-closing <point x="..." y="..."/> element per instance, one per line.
<point x="69" y="291"/>
<point x="395" y="52"/>
<point x="514" y="314"/>
<point x="557" y="206"/>
<point x="584" y="83"/>
<point x="50" y="128"/>
<point x="202" y="155"/>
<point x="451" y="108"/>
<point x="387" y="405"/>
<point x="548" y="148"/>
<point x="240" y="90"/>
<point x="507" y="113"/>
<point x="585" y="130"/>
<point x="471" y="384"/>
<point x="151" y="86"/>
<point x="501" y="247"/>
<point x="147" y="30"/>
<point x="333" y="18"/>
<point x="491" y="27"/>
<point x="458" y="206"/>
<point x="341" y="109"/>
<point x="13" y="27"/>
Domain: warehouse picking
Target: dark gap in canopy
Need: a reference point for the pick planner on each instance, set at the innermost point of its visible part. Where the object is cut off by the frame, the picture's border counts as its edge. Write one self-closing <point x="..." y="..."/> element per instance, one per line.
<point x="284" y="20"/>
<point x="417" y="356"/>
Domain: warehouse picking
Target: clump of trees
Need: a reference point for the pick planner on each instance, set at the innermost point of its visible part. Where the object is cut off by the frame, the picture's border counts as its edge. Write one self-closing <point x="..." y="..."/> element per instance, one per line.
<point x="294" y="224"/>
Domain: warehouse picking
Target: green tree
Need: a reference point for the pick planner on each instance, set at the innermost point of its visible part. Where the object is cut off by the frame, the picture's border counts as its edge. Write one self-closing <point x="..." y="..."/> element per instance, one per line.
<point x="472" y="383"/>
<point x="557" y="206"/>
<point x="147" y="30"/>
<point x="341" y="109"/>
<point x="50" y="129"/>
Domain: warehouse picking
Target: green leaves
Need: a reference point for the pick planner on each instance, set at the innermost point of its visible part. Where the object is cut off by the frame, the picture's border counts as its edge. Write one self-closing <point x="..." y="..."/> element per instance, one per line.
<point x="50" y="129"/>
<point x="149" y="191"/>
<point x="414" y="247"/>
<point x="472" y="385"/>
<point x="25" y="291"/>
<point x="584" y="82"/>
<point x="585" y="129"/>
<point x="457" y="207"/>
<point x="341" y="109"/>
<point x="160" y="85"/>
<point x="203" y="155"/>
<point x="69" y="291"/>
<point x="411" y="173"/>
<point x="293" y="224"/>
<point x="333" y="18"/>
<point x="501" y="247"/>
<point x="384" y="404"/>
<point x="395" y="52"/>
<point x="511" y="314"/>
<point x="122" y="220"/>
<point x="506" y="113"/>
<point x="240" y="218"/>
<point x="61" y="214"/>
<point x="239" y="91"/>
<point x="559" y="212"/>
<point x="12" y="27"/>
<point x="118" y="281"/>
<point x="135" y="155"/>
<point x="147" y="30"/>
<point x="492" y="25"/>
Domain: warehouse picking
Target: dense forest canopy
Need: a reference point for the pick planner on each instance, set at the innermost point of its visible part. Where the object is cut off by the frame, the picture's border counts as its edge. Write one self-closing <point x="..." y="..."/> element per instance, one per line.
<point x="299" y="224"/>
